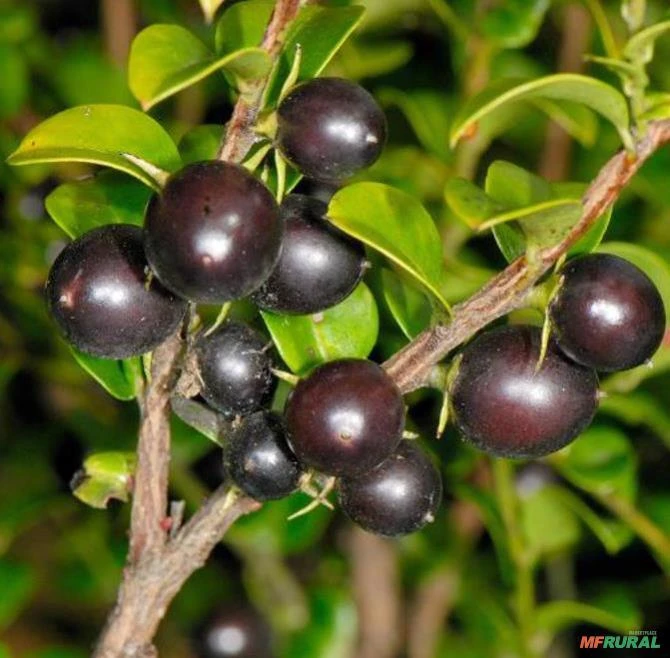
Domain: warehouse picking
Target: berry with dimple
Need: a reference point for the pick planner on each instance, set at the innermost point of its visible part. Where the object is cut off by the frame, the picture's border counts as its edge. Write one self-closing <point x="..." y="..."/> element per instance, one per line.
<point x="101" y="295"/>
<point x="213" y="233"/>
<point x="345" y="418"/>
<point x="607" y="314"/>
<point x="319" y="265"/>
<point x="235" y="369"/>
<point x="399" y="496"/>
<point x="330" y="129"/>
<point x="505" y="406"/>
<point x="258" y="459"/>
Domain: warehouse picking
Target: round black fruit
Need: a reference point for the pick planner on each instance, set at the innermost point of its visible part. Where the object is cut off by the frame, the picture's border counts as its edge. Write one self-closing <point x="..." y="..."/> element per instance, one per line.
<point x="234" y="632"/>
<point x="213" y="233"/>
<point x="319" y="265"/>
<point x="608" y="314"/>
<point x="102" y="298"/>
<point x="330" y="129"/>
<point x="505" y="406"/>
<point x="258" y="459"/>
<point x="345" y="418"/>
<point x="399" y="496"/>
<point x="235" y="369"/>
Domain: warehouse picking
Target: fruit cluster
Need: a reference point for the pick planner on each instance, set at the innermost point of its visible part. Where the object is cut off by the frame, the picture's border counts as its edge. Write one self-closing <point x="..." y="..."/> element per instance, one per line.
<point x="511" y="400"/>
<point x="215" y="234"/>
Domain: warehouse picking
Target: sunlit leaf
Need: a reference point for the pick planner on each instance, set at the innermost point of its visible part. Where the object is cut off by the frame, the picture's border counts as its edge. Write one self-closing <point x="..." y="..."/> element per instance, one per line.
<point x="105" y="476"/>
<point x="117" y="377"/>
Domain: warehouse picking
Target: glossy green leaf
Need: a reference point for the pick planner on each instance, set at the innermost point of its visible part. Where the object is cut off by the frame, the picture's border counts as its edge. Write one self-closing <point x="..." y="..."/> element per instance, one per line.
<point x="469" y="202"/>
<point x="346" y="330"/>
<point x="105" y="476"/>
<point x="201" y="143"/>
<point x="319" y="31"/>
<point x="513" y="23"/>
<point x="165" y="59"/>
<point x="15" y="81"/>
<point x="242" y="25"/>
<point x="549" y="526"/>
<point x="116" y="377"/>
<point x="109" y="198"/>
<point x="557" y="615"/>
<point x="100" y="134"/>
<point x="18" y="584"/>
<point x="409" y="306"/>
<point x="395" y="224"/>
<point x="599" y="96"/>
<point x="577" y="120"/>
<point x="210" y="7"/>
<point x="655" y="267"/>
<point x="600" y="461"/>
<point x="640" y="47"/>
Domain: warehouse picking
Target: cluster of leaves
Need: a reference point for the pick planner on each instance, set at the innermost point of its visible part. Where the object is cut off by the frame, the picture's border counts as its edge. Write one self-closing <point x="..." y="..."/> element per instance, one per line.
<point x="453" y="198"/>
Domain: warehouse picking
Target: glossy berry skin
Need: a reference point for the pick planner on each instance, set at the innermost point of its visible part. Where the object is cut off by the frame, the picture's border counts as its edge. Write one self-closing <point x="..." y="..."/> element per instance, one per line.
<point x="608" y="314"/>
<point x="399" y="496"/>
<point x="330" y="129"/>
<point x="236" y="631"/>
<point x="345" y="418"/>
<point x="234" y="367"/>
<point x="503" y="407"/>
<point x="100" y="295"/>
<point x="213" y="233"/>
<point x="258" y="459"/>
<point x="319" y="265"/>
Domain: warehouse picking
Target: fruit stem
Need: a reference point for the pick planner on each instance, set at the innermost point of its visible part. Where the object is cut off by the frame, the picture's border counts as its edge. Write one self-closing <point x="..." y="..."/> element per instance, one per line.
<point x="524" y="589"/>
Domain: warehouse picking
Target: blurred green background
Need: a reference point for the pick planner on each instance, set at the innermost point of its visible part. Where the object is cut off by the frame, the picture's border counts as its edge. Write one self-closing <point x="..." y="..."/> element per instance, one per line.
<point x="317" y="584"/>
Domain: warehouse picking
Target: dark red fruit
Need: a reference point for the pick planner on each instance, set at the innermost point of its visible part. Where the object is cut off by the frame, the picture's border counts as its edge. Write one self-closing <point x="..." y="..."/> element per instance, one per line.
<point x="100" y="295"/>
<point x="504" y="407"/>
<point x="399" y="496"/>
<point x="330" y="129"/>
<point x="235" y="632"/>
<point x="345" y="418"/>
<point x="213" y="234"/>
<point x="608" y="314"/>
<point x="234" y="369"/>
<point x="258" y="459"/>
<point x="319" y="265"/>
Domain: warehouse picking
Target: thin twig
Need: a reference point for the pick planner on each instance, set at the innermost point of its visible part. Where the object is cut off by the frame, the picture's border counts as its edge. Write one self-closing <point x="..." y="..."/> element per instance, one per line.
<point x="509" y="289"/>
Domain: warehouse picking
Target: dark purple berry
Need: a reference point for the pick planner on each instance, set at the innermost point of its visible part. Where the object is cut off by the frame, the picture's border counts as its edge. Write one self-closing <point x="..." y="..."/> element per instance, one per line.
<point x="235" y="632"/>
<point x="397" y="497"/>
<point x="319" y="265"/>
<point x="608" y="314"/>
<point x="234" y="367"/>
<point x="258" y="459"/>
<point x="503" y="406"/>
<point x="101" y="296"/>
<point x="213" y="233"/>
<point x="345" y="418"/>
<point x="330" y="129"/>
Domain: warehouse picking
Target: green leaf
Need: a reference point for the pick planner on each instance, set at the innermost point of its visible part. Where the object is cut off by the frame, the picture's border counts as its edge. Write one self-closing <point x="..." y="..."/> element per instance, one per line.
<point x="242" y="25"/>
<point x="557" y="615"/>
<point x="655" y="267"/>
<point x="469" y="202"/>
<point x="15" y="85"/>
<point x="116" y="377"/>
<point x="548" y="525"/>
<point x="409" y="306"/>
<point x="104" y="476"/>
<point x="639" y="408"/>
<point x="395" y="224"/>
<point x="319" y="31"/>
<point x="640" y="47"/>
<point x="600" y="461"/>
<point x="100" y="134"/>
<point x="165" y="59"/>
<point x="577" y="120"/>
<point x="18" y="584"/>
<point x="109" y="198"/>
<point x="599" y="96"/>
<point x="346" y="330"/>
<point x="201" y="143"/>
<point x="513" y="23"/>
